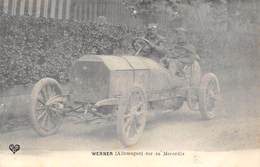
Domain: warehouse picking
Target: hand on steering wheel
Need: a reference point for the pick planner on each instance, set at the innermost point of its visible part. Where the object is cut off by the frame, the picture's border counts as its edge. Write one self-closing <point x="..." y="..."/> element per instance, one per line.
<point x="139" y="44"/>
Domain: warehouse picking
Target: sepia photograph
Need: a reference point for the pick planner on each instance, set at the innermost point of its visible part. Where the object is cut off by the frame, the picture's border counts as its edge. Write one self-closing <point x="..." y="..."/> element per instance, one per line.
<point x="130" y="82"/>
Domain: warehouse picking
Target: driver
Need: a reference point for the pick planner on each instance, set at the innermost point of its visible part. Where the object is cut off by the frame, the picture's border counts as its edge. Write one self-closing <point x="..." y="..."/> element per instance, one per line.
<point x="157" y="43"/>
<point x="183" y="53"/>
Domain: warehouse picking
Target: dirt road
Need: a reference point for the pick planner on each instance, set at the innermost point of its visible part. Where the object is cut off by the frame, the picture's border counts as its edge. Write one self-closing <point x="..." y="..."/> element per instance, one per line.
<point x="235" y="128"/>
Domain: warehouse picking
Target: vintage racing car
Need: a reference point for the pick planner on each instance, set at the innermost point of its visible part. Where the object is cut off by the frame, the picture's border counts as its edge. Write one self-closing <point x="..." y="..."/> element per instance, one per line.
<point x="123" y="89"/>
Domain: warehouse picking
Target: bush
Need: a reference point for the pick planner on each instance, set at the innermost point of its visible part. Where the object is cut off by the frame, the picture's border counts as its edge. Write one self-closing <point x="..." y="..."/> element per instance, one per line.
<point x="33" y="48"/>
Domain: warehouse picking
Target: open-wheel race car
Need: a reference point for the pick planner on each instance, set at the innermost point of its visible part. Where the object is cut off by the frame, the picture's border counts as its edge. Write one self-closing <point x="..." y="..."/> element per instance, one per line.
<point x="123" y="89"/>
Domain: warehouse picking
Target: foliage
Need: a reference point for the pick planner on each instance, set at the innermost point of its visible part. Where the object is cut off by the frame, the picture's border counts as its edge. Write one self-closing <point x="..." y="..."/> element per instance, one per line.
<point x="150" y="9"/>
<point x="33" y="48"/>
<point x="215" y="27"/>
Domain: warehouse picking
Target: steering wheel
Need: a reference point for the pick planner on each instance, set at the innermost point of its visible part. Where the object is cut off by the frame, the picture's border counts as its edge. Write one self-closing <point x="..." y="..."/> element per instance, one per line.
<point x="139" y="44"/>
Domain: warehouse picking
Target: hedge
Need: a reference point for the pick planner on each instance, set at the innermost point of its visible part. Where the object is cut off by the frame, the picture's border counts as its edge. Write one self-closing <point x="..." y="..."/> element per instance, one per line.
<point x="33" y="48"/>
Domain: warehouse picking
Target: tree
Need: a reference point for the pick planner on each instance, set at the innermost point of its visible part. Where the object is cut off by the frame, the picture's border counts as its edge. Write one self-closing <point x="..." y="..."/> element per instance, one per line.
<point x="149" y="10"/>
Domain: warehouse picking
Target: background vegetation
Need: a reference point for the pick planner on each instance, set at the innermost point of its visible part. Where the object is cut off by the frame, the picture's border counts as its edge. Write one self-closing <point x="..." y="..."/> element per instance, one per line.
<point x="223" y="31"/>
<point x="33" y="48"/>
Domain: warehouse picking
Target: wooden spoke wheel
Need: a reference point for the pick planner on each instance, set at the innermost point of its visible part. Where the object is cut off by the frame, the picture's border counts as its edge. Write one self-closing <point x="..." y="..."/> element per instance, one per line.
<point x="47" y="105"/>
<point x="131" y="117"/>
<point x="208" y="96"/>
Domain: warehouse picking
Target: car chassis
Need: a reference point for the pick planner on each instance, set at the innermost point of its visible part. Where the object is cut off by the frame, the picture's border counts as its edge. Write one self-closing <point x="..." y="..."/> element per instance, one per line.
<point x="122" y="89"/>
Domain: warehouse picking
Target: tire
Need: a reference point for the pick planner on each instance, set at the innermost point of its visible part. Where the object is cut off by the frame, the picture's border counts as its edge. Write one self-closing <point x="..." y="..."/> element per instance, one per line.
<point x="209" y="93"/>
<point x="131" y="116"/>
<point x="46" y="116"/>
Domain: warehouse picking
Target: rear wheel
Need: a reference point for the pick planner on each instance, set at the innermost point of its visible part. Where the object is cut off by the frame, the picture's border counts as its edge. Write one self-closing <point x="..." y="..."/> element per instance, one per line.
<point x="209" y="93"/>
<point x="47" y="104"/>
<point x="131" y="116"/>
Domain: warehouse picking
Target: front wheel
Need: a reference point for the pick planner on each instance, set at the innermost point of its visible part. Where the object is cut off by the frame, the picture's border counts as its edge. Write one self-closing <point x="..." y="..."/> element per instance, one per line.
<point x="209" y="93"/>
<point x="47" y="104"/>
<point x="131" y="116"/>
